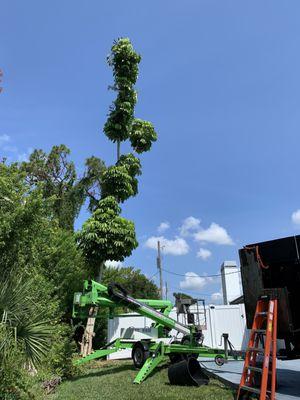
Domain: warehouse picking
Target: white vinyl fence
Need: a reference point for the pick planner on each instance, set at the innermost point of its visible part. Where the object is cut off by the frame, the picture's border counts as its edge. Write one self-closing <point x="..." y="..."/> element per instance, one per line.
<point x="220" y="319"/>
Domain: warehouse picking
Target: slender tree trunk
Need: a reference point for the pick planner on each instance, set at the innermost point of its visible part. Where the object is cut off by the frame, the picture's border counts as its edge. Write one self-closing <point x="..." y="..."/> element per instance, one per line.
<point x="86" y="347"/>
<point x="118" y="149"/>
<point x="100" y="272"/>
<point x="87" y="339"/>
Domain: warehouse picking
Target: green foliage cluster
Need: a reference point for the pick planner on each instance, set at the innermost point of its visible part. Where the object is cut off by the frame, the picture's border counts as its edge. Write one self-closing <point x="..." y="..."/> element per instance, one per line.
<point x="124" y="62"/>
<point x="134" y="169"/>
<point x="120" y="180"/>
<point x="117" y="183"/>
<point x="142" y="135"/>
<point x="106" y="233"/>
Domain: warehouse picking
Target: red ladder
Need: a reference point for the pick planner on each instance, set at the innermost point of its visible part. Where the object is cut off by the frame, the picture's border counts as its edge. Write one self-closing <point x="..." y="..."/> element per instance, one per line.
<point x="262" y="340"/>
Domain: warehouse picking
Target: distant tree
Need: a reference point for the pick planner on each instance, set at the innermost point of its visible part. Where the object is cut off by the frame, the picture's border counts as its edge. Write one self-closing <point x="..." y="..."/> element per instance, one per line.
<point x="58" y="178"/>
<point x="133" y="280"/>
<point x="92" y="180"/>
<point x="137" y="285"/>
<point x="180" y="295"/>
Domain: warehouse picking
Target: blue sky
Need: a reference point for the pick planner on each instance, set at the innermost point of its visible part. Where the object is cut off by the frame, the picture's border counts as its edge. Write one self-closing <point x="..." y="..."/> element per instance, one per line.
<point x="219" y="80"/>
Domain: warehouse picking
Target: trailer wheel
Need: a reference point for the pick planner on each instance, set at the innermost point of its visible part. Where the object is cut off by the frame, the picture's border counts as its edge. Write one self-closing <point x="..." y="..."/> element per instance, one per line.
<point x="139" y="354"/>
<point x="219" y="360"/>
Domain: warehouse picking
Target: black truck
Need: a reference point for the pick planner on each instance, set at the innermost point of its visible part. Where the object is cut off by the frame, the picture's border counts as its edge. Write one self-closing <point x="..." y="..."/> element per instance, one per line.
<point x="273" y="267"/>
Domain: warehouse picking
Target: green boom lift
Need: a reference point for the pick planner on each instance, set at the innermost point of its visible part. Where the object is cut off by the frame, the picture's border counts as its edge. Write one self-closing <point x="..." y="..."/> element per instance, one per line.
<point x="147" y="354"/>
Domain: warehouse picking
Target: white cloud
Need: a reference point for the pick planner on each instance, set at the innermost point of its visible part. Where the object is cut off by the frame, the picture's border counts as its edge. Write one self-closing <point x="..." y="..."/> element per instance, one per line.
<point x="4" y="139"/>
<point x="217" y="297"/>
<point x="10" y="149"/>
<point x="192" y="281"/>
<point x="176" y="247"/>
<point x="214" y="234"/>
<point x="18" y="155"/>
<point x="296" y="217"/>
<point x="113" y="264"/>
<point x="163" y="226"/>
<point x="204" y="253"/>
<point x="25" y="156"/>
<point x="189" y="224"/>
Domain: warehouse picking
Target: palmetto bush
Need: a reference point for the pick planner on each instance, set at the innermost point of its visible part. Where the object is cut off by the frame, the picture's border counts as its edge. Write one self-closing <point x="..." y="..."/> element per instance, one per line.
<point x="22" y="323"/>
<point x="25" y="337"/>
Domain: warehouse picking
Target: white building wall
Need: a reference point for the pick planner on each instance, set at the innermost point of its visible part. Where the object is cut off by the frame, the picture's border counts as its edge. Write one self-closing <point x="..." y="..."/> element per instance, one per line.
<point x="231" y="286"/>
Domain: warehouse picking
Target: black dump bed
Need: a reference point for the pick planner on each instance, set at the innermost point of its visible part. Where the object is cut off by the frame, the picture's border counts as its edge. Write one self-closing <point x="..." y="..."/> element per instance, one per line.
<point x="274" y="264"/>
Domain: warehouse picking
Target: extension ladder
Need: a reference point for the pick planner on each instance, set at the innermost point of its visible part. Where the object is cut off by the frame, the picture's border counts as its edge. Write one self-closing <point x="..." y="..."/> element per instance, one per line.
<point x="262" y="341"/>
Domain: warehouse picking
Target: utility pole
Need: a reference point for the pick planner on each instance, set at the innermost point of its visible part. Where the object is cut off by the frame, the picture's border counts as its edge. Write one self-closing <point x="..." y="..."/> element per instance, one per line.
<point x="160" y="270"/>
<point x="1" y="75"/>
<point x="166" y="290"/>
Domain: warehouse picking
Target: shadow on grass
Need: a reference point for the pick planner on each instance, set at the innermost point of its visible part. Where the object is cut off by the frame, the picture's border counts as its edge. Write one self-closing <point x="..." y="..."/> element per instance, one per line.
<point x="104" y="371"/>
<point x="210" y="384"/>
<point x="109" y="370"/>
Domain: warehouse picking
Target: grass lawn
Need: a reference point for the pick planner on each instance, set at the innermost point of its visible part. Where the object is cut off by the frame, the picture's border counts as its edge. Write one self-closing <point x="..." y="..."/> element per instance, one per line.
<point x="112" y="380"/>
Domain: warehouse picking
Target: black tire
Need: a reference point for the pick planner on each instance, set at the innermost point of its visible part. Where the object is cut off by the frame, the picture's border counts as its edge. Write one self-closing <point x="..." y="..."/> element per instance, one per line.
<point x="139" y="354"/>
<point x="220" y="360"/>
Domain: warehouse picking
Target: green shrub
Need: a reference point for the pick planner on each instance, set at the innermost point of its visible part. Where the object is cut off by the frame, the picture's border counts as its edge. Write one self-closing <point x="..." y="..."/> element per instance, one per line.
<point x="15" y="381"/>
<point x="59" y="360"/>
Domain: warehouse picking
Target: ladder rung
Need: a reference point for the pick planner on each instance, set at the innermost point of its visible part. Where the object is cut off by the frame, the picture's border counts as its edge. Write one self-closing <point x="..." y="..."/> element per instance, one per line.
<point x="256" y="349"/>
<point x="250" y="389"/>
<point x="255" y="369"/>
<point x="262" y="313"/>
<point x="259" y="330"/>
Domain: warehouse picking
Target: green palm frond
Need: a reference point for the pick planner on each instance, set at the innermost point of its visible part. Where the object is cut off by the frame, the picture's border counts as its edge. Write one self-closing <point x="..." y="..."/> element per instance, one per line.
<point x="22" y="323"/>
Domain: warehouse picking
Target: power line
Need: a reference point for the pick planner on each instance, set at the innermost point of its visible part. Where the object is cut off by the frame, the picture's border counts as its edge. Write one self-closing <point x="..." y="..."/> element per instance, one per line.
<point x="191" y="291"/>
<point x="159" y="269"/>
<point x="151" y="277"/>
<point x="199" y="276"/>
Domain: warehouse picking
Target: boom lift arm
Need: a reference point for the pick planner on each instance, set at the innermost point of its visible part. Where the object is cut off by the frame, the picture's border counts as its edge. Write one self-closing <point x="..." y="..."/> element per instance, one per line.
<point x="113" y="296"/>
<point x="148" y="353"/>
